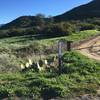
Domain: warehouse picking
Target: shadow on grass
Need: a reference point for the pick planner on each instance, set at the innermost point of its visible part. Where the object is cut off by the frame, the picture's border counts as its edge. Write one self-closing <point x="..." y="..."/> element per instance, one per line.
<point x="26" y="38"/>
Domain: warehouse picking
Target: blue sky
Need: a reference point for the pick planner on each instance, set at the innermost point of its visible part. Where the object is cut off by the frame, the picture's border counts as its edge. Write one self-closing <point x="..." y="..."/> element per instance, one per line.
<point x="11" y="9"/>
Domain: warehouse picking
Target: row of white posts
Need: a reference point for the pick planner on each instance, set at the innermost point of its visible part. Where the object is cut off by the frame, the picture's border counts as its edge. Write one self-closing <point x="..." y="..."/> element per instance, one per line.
<point x="29" y="63"/>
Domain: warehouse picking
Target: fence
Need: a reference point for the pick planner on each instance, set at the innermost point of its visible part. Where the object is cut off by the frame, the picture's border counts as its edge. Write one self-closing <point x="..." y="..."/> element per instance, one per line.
<point x="62" y="47"/>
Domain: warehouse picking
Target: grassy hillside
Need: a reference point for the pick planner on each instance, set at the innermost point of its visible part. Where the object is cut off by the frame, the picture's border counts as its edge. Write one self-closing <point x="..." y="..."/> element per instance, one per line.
<point x="17" y="50"/>
<point x="78" y="77"/>
<point x="30" y="41"/>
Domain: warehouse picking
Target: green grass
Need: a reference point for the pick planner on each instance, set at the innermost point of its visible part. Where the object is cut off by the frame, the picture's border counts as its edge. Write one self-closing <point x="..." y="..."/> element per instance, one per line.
<point x="19" y="49"/>
<point x="80" y="76"/>
<point x="21" y="41"/>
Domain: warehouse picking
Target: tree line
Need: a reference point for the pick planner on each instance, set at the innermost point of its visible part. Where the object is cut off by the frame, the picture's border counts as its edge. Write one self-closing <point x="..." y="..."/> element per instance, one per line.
<point x="47" y="27"/>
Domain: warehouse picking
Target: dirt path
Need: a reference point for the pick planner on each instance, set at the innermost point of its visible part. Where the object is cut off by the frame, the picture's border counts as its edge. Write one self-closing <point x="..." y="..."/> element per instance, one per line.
<point x="91" y="48"/>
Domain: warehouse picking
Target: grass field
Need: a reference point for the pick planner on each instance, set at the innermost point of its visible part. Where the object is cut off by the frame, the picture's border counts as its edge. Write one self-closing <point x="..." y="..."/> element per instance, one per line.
<point x="20" y="41"/>
<point x="16" y="50"/>
<point x="78" y="77"/>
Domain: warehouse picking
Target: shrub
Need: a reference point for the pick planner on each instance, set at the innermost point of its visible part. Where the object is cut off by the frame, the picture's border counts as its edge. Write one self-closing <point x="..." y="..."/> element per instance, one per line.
<point x="74" y="62"/>
<point x="8" y="63"/>
<point x="87" y="26"/>
<point x="60" y="29"/>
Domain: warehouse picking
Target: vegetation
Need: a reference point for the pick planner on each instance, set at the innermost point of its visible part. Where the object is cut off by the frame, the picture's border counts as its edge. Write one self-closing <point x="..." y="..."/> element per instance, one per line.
<point x="49" y="29"/>
<point x="79" y="75"/>
<point x="87" y="19"/>
<point x="35" y="38"/>
<point x="73" y="81"/>
<point x="17" y="50"/>
<point x="83" y="12"/>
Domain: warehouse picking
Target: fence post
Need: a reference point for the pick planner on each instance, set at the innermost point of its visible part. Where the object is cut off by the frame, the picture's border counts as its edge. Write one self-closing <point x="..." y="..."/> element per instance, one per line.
<point x="69" y="47"/>
<point x="60" y="56"/>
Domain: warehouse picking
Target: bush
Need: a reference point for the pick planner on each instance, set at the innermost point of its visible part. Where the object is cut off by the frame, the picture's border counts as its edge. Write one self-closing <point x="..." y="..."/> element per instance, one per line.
<point x="60" y="29"/>
<point x="79" y="76"/>
<point x="74" y="62"/>
<point x="87" y="26"/>
<point x="8" y="63"/>
<point x="53" y="92"/>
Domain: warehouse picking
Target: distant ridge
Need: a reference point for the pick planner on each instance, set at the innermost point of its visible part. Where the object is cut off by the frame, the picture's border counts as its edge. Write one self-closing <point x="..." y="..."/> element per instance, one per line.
<point x="89" y="10"/>
<point x="23" y="21"/>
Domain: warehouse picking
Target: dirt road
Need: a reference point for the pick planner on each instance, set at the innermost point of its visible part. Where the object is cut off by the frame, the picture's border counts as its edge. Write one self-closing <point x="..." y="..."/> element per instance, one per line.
<point x="91" y="48"/>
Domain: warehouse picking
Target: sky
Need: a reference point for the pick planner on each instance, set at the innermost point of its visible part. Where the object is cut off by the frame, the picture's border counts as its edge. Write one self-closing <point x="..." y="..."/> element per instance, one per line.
<point x="11" y="9"/>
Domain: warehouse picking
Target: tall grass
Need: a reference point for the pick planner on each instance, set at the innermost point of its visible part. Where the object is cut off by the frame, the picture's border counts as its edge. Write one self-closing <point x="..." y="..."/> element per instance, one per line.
<point x="80" y="75"/>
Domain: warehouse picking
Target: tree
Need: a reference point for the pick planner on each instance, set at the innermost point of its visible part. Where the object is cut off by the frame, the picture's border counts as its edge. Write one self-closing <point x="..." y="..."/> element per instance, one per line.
<point x="87" y="26"/>
<point x="59" y="29"/>
<point x="40" y="20"/>
<point x="50" y="20"/>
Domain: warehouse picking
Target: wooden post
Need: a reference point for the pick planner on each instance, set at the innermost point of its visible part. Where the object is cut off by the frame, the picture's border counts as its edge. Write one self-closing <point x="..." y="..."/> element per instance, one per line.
<point x="60" y="55"/>
<point x="69" y="45"/>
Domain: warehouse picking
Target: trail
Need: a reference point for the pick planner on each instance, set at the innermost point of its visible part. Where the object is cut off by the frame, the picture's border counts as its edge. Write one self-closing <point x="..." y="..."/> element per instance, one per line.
<point x="91" y="48"/>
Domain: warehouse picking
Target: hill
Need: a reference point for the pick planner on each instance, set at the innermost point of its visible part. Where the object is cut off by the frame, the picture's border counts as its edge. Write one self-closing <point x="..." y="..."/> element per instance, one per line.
<point x="78" y="78"/>
<point x="61" y="25"/>
<point x="29" y="65"/>
<point x="89" y="10"/>
<point x="23" y="21"/>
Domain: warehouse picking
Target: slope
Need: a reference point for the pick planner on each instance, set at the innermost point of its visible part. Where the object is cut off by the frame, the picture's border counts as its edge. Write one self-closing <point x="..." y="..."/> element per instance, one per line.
<point x="89" y="10"/>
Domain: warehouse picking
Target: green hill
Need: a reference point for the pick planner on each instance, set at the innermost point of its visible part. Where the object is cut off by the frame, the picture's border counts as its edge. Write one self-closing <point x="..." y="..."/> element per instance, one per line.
<point x="23" y="21"/>
<point x="89" y="10"/>
<point x="60" y="25"/>
<point x="34" y="39"/>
